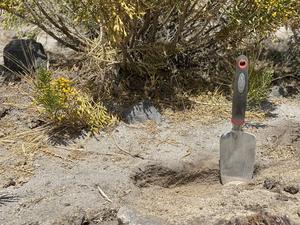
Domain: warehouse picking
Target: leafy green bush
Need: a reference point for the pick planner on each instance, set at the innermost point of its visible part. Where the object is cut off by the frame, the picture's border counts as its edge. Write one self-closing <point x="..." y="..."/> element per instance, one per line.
<point x="61" y="103"/>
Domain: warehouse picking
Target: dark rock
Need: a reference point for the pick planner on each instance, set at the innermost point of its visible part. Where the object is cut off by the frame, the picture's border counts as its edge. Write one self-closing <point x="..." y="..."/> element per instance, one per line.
<point x="128" y="216"/>
<point x="142" y="112"/>
<point x="23" y="56"/>
<point x="291" y="189"/>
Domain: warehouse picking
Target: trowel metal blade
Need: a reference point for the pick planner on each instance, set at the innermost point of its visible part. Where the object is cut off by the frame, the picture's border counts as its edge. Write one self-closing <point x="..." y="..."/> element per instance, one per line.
<point x="237" y="156"/>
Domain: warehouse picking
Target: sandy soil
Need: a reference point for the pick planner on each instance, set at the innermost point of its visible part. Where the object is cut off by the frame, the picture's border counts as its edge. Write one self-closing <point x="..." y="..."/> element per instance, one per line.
<point x="169" y="171"/>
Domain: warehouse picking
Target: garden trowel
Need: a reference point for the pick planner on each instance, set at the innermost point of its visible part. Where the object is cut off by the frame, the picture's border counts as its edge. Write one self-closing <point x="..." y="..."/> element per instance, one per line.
<point x="237" y="148"/>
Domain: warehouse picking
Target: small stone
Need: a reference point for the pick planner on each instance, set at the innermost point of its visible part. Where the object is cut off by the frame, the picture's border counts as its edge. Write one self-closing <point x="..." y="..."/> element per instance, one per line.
<point x="291" y="189"/>
<point x="278" y="91"/>
<point x="269" y="184"/>
<point x="67" y="204"/>
<point x="10" y="183"/>
<point x="128" y="216"/>
<point x="141" y="112"/>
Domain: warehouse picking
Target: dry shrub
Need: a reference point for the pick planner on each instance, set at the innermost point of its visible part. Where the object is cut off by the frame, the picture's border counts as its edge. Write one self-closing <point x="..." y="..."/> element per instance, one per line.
<point x="160" y="49"/>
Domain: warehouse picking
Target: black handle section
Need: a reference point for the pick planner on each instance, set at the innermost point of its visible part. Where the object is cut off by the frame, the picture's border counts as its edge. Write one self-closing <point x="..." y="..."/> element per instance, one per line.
<point x="240" y="91"/>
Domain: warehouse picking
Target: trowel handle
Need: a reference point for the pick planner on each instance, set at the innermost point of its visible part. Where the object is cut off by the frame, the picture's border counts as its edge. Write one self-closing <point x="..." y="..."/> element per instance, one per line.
<point x="240" y="91"/>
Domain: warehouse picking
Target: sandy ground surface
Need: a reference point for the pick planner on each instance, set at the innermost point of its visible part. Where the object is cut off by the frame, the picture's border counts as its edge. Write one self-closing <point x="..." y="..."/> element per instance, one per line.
<point x="168" y="171"/>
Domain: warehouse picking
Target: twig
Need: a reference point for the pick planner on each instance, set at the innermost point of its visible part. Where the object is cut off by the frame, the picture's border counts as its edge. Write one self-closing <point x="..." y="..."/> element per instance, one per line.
<point x="188" y="152"/>
<point x="71" y="149"/>
<point x="103" y="194"/>
<point x="83" y="151"/>
<point x="287" y="76"/>
<point x="55" y="155"/>
<point x="124" y="151"/>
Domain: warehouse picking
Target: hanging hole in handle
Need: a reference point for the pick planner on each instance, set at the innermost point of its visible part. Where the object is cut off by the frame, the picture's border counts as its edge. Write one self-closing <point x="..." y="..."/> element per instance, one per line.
<point x="242" y="64"/>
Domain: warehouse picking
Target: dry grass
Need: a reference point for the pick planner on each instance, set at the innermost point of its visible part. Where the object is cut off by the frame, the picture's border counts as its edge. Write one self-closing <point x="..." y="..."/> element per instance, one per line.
<point x="17" y="134"/>
<point x="24" y="147"/>
<point x="210" y="108"/>
<point x="26" y="142"/>
<point x="21" y="142"/>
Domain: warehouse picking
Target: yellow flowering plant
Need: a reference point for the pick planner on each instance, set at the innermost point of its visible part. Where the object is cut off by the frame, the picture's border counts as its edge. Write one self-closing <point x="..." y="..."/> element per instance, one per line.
<point x="64" y="105"/>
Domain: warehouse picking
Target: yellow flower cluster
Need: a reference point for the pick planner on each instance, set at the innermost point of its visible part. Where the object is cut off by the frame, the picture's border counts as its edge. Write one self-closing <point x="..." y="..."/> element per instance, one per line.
<point x="62" y="103"/>
<point x="64" y="90"/>
<point x="64" y="86"/>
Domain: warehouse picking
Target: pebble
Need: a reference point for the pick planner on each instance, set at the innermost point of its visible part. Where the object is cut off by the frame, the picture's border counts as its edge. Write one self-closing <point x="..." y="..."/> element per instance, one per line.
<point x="291" y="189"/>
